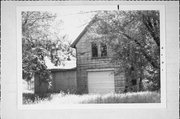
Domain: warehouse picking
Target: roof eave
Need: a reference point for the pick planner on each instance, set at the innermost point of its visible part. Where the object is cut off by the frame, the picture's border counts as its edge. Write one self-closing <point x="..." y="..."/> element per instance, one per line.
<point x="73" y="45"/>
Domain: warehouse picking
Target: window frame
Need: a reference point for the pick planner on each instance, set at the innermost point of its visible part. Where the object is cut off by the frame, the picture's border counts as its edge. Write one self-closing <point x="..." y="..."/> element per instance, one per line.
<point x="99" y="52"/>
<point x="106" y="49"/>
<point x="92" y="56"/>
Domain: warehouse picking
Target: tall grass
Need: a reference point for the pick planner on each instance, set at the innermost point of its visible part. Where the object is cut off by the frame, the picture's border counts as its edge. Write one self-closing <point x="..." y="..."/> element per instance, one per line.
<point x="62" y="98"/>
<point x="140" y="97"/>
<point x="30" y="98"/>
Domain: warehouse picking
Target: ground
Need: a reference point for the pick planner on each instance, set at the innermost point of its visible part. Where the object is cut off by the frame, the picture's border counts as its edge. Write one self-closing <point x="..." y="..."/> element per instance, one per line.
<point x="62" y="98"/>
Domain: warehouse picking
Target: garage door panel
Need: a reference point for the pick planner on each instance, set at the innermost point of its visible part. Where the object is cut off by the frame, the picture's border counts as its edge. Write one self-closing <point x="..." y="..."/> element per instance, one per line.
<point x="101" y="82"/>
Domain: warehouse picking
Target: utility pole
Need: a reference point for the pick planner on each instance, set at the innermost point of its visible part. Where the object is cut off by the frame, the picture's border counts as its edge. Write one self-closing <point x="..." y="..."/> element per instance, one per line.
<point x="118" y="7"/>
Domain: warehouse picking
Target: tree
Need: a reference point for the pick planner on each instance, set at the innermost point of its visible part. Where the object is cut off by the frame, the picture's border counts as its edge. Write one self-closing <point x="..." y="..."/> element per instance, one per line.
<point x="134" y="36"/>
<point x="40" y="40"/>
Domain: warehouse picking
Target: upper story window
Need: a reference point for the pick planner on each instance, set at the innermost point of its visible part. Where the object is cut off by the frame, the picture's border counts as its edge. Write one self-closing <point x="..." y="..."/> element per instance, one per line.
<point x="99" y="50"/>
<point x="94" y="50"/>
<point x="103" y="49"/>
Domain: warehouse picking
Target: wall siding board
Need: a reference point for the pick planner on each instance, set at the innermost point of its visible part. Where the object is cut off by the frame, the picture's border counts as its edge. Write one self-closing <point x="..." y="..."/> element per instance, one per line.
<point x="64" y="81"/>
<point x="85" y="62"/>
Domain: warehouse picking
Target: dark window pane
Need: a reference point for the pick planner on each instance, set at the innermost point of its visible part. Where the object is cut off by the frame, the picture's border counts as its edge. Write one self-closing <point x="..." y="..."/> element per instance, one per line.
<point x="103" y="50"/>
<point x="134" y="82"/>
<point x="94" y="50"/>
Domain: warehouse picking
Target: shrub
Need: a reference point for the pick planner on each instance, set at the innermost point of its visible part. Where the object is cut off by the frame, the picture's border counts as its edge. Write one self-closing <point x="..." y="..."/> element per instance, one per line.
<point x="140" y="97"/>
<point x="30" y="98"/>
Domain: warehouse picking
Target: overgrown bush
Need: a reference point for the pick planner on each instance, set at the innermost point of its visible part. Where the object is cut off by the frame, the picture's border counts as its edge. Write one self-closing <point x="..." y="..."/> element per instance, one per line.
<point x="30" y="98"/>
<point x="139" y="97"/>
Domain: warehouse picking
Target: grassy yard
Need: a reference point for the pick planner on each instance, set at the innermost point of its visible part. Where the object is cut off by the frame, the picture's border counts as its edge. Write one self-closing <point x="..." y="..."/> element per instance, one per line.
<point x="62" y="98"/>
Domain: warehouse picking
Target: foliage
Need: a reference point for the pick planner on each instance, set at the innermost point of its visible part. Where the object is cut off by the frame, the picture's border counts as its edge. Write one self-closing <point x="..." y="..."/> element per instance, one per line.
<point x="41" y="38"/>
<point x="30" y="98"/>
<point x="140" y="97"/>
<point x="134" y="37"/>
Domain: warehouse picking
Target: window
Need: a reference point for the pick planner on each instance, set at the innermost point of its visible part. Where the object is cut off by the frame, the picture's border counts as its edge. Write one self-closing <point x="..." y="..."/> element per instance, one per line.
<point x="134" y="82"/>
<point x="94" y="50"/>
<point x="99" y="50"/>
<point x="103" y="50"/>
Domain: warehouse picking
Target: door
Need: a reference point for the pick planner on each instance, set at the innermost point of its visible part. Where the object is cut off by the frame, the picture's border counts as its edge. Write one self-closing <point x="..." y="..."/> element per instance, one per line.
<point x="100" y="82"/>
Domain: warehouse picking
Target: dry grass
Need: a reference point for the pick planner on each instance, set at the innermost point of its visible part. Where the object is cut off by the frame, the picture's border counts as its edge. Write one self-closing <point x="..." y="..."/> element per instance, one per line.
<point x="140" y="97"/>
<point x="62" y="98"/>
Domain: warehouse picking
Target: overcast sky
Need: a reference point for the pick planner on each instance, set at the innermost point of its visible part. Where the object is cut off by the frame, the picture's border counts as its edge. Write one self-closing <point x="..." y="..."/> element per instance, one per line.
<point x="75" y="18"/>
<point x="73" y="22"/>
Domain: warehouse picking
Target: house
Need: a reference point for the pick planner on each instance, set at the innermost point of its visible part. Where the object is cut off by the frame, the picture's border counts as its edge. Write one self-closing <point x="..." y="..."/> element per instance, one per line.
<point x="95" y="73"/>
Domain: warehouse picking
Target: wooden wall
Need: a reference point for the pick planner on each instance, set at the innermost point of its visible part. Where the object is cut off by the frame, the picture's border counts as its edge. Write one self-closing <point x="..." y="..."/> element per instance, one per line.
<point x="64" y="80"/>
<point x="85" y="62"/>
<point x="40" y="88"/>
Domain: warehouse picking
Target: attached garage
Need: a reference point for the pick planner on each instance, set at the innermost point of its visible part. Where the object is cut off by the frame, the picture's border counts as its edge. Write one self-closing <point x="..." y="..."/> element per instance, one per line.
<point x="64" y="80"/>
<point x="101" y="82"/>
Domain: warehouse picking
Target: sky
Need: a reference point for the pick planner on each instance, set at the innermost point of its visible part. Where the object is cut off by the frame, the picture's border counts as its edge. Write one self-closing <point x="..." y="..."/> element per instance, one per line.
<point x="73" y="22"/>
<point x="75" y="18"/>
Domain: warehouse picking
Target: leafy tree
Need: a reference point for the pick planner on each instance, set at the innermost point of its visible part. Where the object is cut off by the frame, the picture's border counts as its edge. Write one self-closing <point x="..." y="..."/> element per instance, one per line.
<point x="40" y="40"/>
<point x="134" y="37"/>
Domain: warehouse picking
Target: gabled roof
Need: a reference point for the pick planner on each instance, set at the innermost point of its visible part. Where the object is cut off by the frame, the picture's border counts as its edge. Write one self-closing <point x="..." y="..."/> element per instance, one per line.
<point x="73" y="45"/>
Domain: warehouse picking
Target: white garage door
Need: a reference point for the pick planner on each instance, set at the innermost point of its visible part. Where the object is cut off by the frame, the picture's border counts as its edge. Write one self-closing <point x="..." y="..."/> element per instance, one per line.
<point x="101" y="82"/>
